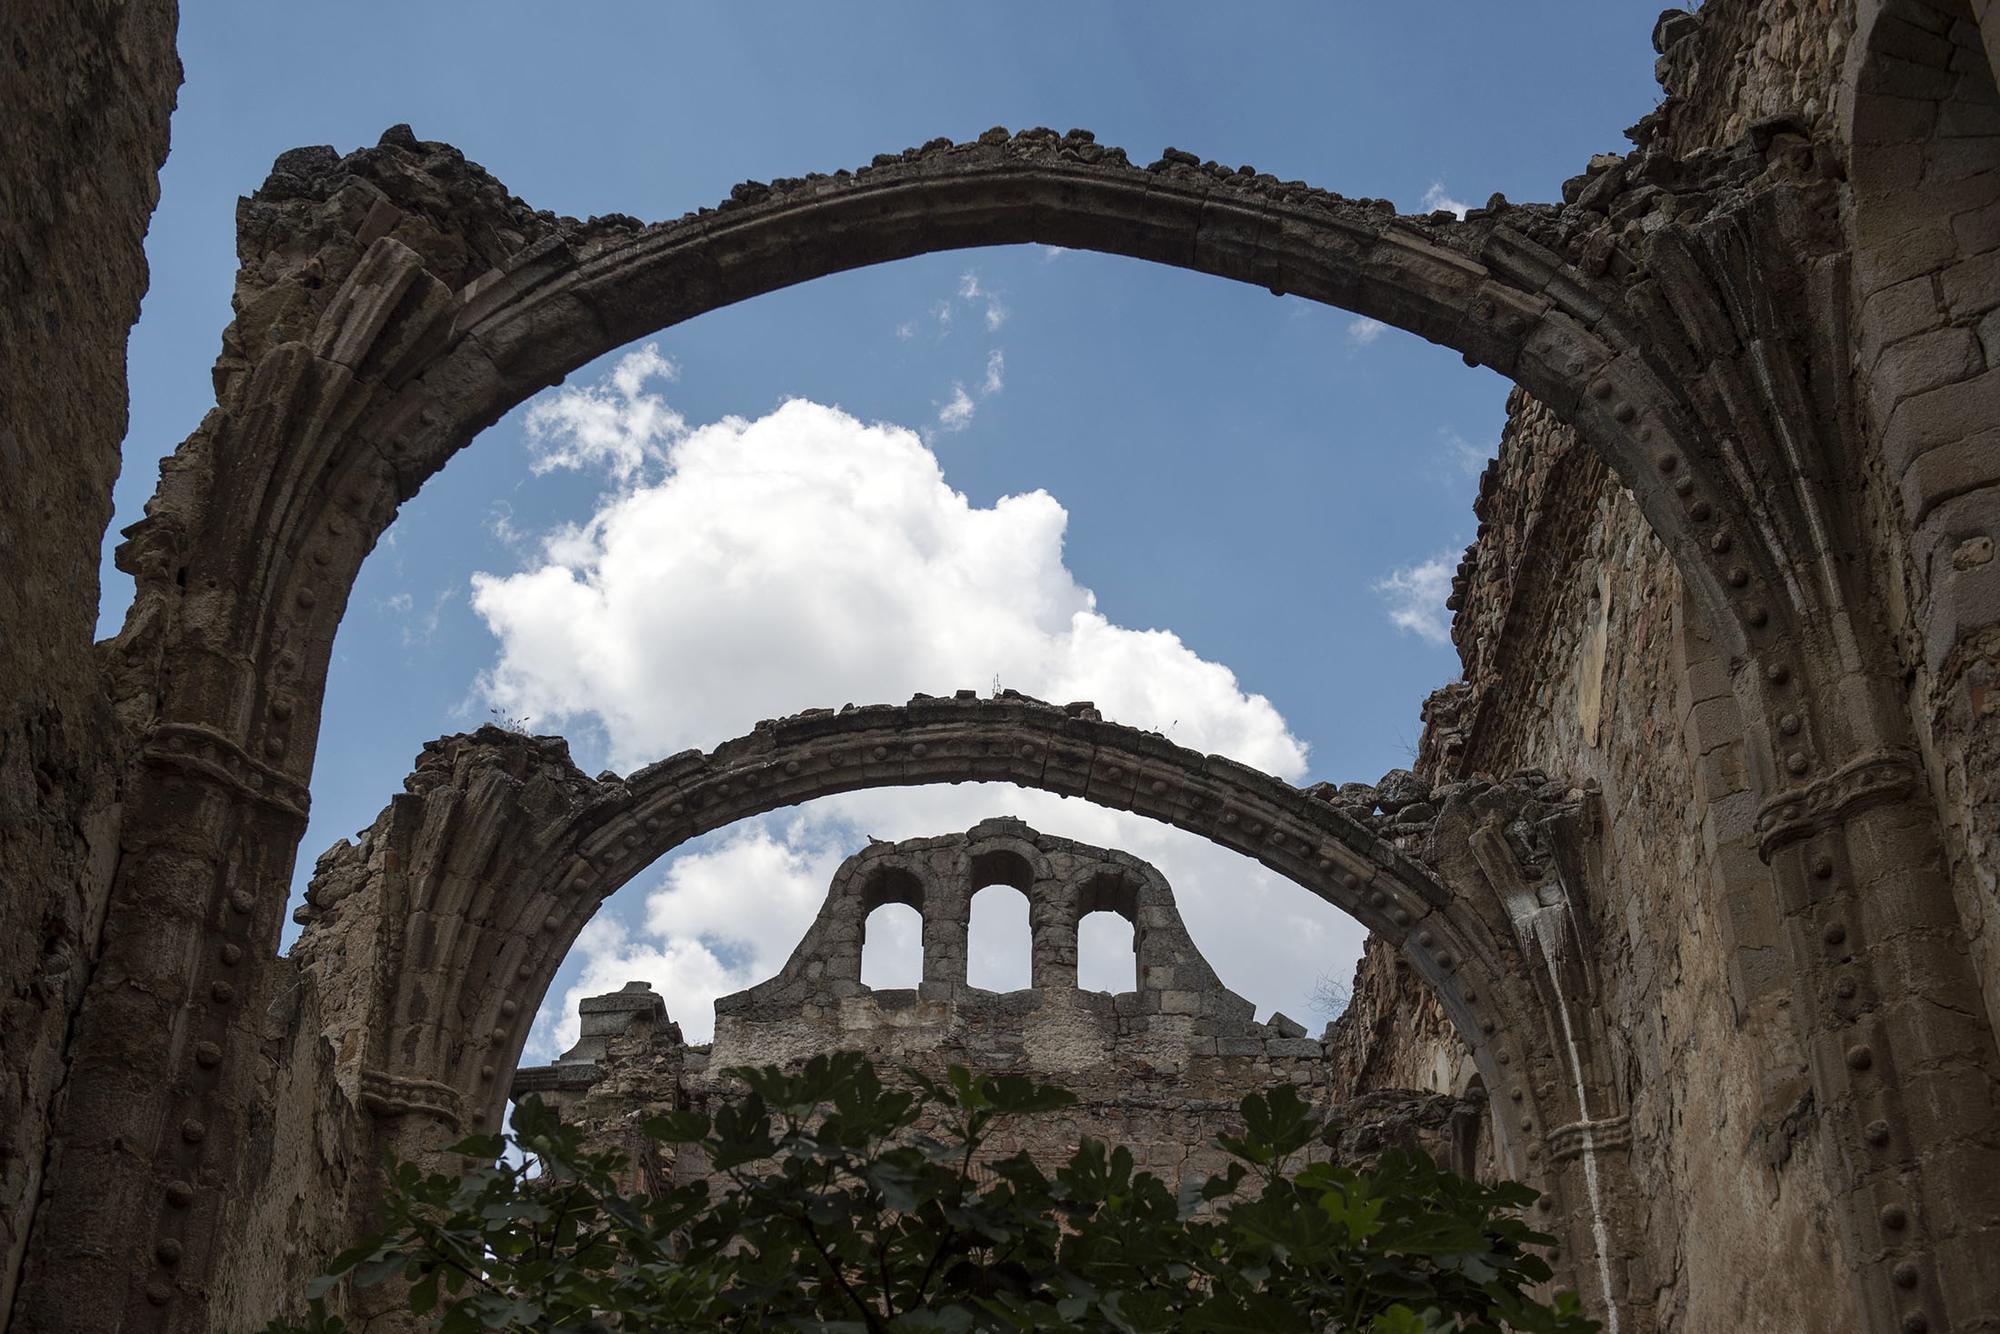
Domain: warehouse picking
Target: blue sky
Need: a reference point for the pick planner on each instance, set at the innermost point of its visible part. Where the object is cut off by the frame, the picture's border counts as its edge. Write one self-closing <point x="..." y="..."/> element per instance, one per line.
<point x="1253" y="474"/>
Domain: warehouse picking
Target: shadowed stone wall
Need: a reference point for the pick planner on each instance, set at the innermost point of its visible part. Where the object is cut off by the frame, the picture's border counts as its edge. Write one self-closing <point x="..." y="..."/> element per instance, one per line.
<point x="1580" y="652"/>
<point x="86" y="87"/>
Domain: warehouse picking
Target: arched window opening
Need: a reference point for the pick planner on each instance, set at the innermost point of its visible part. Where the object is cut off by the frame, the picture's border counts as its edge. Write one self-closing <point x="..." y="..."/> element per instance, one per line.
<point x="892" y="947"/>
<point x="1106" y="959"/>
<point x="997" y="955"/>
<point x="1107" y="933"/>
<point x="1002" y="866"/>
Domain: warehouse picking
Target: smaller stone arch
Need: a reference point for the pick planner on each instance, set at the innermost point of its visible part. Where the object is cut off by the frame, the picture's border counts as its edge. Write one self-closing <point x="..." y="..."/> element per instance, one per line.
<point x="459" y="904"/>
<point x="1002" y="855"/>
<point x="1111" y="890"/>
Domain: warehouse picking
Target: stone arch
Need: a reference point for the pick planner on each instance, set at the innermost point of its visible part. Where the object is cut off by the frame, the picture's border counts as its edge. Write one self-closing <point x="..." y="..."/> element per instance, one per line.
<point x="395" y="302"/>
<point x="1924" y="122"/>
<point x="890" y="887"/>
<point x="1016" y="864"/>
<point x="1102" y="949"/>
<point x="1924" y="118"/>
<point x="883" y="970"/>
<point x="999" y="915"/>
<point x="409" y="356"/>
<point x="510" y="887"/>
<point x="1114" y="890"/>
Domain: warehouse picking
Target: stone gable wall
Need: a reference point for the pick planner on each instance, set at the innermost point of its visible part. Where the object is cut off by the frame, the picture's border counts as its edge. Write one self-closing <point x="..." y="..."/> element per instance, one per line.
<point x="1161" y="1069"/>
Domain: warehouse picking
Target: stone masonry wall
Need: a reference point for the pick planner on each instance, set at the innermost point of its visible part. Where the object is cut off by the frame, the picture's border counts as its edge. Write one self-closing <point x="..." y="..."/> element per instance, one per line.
<point x="1577" y="658"/>
<point x="87" y="87"/>
<point x="635" y="1065"/>
<point x="1161" y="1069"/>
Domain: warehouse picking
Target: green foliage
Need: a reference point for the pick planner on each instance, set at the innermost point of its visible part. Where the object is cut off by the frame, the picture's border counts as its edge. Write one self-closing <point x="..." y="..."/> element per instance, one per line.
<point x="839" y="1216"/>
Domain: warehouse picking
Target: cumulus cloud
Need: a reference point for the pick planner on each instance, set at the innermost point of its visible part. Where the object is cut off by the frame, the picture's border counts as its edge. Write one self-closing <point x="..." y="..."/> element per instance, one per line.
<point x="617" y="426"/>
<point x="1416" y="594"/>
<point x="1436" y="198"/>
<point x="1363" y="331"/>
<point x="808" y="558"/>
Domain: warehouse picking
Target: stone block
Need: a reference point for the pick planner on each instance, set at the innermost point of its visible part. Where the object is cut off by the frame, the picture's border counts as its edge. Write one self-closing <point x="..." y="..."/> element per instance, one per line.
<point x="1962" y="601"/>
<point x="1963" y="118"/>
<point x="1972" y="286"/>
<point x="1977" y="230"/>
<point x="1950" y="160"/>
<point x="1902" y="112"/>
<point x="1925" y="362"/>
<point x="1300" y="1048"/>
<point x="1924" y="421"/>
<point x="1950" y="470"/>
<point x="1286" y="1026"/>
<point x="1888" y="258"/>
<point x="1898" y="312"/>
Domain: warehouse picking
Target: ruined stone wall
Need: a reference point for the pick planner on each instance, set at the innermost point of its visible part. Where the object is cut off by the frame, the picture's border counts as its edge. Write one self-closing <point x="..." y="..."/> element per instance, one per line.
<point x="1924" y="194"/>
<point x="87" y="87"/>
<point x="1578" y="658"/>
<point x="1161" y="1069"/>
<point x="1737" y="62"/>
<point x="632" y="1064"/>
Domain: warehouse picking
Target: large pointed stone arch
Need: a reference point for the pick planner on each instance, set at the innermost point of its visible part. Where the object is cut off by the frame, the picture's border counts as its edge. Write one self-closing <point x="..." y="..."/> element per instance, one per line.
<point x="1683" y="315"/>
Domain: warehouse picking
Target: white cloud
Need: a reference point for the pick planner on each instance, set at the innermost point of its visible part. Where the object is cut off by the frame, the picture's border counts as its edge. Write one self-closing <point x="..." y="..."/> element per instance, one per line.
<point x="1416" y="594"/>
<point x="957" y="412"/>
<point x="1462" y="456"/>
<point x="806" y="558"/>
<point x="1435" y="198"/>
<point x="421" y="630"/>
<point x="1051" y="253"/>
<point x="616" y="426"/>
<point x="907" y="330"/>
<point x="996" y="373"/>
<point x="500" y="525"/>
<point x="1363" y="331"/>
<point x="970" y="289"/>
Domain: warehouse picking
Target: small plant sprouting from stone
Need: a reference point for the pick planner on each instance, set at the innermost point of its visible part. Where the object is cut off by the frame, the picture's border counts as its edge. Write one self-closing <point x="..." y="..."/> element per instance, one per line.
<point x="511" y="722"/>
<point x="841" y="1203"/>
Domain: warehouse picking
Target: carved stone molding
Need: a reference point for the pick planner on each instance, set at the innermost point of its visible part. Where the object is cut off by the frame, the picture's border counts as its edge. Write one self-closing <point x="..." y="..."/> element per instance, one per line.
<point x="210" y="754"/>
<point x="1871" y="780"/>
<point x="386" y="1095"/>
<point x="1602" y="1135"/>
